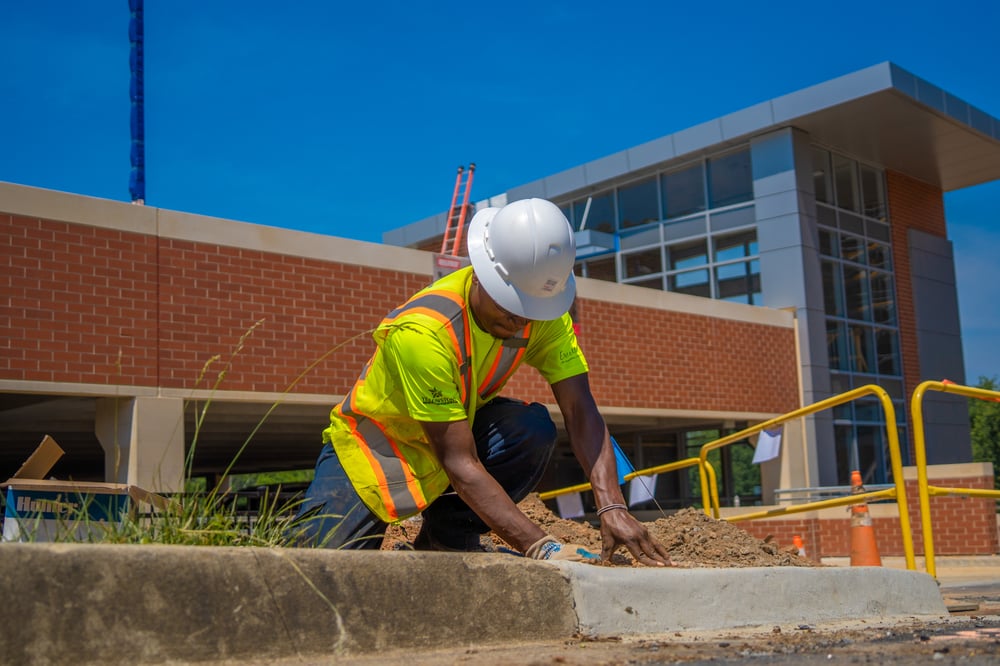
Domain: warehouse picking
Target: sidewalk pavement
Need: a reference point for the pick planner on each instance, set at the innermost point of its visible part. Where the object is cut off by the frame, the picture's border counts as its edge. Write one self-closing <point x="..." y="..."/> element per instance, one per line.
<point x="952" y="570"/>
<point x="94" y="604"/>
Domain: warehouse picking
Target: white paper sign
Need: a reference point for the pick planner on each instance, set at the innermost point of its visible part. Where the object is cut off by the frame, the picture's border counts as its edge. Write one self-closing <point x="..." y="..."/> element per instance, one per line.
<point x="768" y="445"/>
<point x="641" y="489"/>
<point x="570" y="506"/>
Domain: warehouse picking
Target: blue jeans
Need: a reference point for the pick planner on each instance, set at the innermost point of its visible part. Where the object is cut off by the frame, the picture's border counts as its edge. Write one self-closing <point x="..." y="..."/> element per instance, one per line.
<point x="514" y="441"/>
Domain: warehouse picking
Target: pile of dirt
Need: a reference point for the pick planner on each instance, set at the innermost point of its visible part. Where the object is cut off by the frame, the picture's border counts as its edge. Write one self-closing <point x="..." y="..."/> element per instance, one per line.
<point x="692" y="538"/>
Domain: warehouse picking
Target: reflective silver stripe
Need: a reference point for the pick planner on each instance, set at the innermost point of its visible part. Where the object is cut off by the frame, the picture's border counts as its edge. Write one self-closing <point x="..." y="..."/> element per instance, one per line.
<point x="388" y="461"/>
<point x="509" y="351"/>
<point x="393" y="468"/>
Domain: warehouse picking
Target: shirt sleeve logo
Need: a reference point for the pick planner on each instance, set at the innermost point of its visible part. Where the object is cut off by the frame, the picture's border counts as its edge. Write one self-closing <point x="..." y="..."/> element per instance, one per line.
<point x="436" y="397"/>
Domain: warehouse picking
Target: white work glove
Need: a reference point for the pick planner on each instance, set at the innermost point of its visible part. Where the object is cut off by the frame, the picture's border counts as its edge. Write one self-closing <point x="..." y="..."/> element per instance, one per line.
<point x="552" y="549"/>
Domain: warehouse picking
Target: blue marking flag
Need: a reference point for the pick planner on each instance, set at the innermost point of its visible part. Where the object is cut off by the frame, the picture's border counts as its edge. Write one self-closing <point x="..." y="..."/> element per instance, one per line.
<point x="622" y="462"/>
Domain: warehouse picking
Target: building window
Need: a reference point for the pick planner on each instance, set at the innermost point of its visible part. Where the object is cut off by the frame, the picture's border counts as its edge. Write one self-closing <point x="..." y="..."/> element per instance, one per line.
<point x="690" y="230"/>
<point x="598" y="269"/>
<point x="638" y="204"/>
<point x="642" y="263"/>
<point x="872" y="193"/>
<point x="683" y="191"/>
<point x="822" y="182"/>
<point x="860" y="306"/>
<point x="737" y="276"/>
<point x="730" y="180"/>
<point x="596" y="212"/>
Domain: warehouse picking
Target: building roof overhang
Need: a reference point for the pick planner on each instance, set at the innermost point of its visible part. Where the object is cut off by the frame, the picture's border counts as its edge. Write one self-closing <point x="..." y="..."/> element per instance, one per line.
<point x="882" y="114"/>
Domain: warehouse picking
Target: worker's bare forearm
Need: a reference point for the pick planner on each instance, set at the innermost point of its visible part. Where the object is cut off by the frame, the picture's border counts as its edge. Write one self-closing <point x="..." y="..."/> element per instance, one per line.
<point x="491" y="503"/>
<point x="589" y="438"/>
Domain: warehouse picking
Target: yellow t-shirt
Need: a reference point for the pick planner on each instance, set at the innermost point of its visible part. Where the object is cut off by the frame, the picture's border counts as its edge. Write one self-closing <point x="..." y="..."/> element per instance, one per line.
<point x="414" y="376"/>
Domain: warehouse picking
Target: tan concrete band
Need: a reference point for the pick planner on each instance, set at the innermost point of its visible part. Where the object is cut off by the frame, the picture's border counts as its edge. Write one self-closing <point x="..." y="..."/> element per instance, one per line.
<point x="92" y="604"/>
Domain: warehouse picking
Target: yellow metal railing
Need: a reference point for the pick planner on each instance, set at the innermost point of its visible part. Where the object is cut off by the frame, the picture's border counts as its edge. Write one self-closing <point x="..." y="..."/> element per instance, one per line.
<point x="898" y="492"/>
<point x="924" y="491"/>
<point x="659" y="469"/>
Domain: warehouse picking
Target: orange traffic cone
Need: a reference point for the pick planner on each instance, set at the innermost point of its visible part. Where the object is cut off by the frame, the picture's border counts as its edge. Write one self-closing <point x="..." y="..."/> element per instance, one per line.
<point x="799" y="546"/>
<point x="864" y="550"/>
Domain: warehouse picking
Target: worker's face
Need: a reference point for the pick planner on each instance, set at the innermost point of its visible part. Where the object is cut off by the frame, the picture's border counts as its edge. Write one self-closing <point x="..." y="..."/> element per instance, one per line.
<point x="491" y="317"/>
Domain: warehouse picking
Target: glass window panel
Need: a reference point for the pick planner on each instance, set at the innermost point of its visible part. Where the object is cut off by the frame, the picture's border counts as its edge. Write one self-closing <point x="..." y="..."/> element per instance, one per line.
<point x="843" y="436"/>
<point x="638" y="204"/>
<point x="836" y="348"/>
<point x="870" y="454"/>
<point x="888" y="353"/>
<point x="894" y="388"/>
<point x="601" y="216"/>
<point x="740" y="217"/>
<point x="845" y="177"/>
<point x="695" y="283"/>
<point x="883" y="302"/>
<point x="737" y="281"/>
<point x="851" y="223"/>
<point x="683" y="191"/>
<point x="602" y="269"/>
<point x="829" y="243"/>
<point x="826" y="216"/>
<point x="840" y="383"/>
<point x="730" y="180"/>
<point x="640" y="238"/>
<point x="878" y="256"/>
<point x="637" y="264"/>
<point x="730" y="271"/>
<point x="843" y="412"/>
<point x="579" y="210"/>
<point x="735" y="246"/>
<point x="833" y="288"/>
<point x="567" y="210"/>
<point x="868" y="409"/>
<point x="877" y="230"/>
<point x="821" y="175"/>
<point x="862" y="349"/>
<point x="872" y="194"/>
<point x="688" y="255"/>
<point x="684" y="229"/>
<point x="852" y="249"/>
<point x="856" y="292"/>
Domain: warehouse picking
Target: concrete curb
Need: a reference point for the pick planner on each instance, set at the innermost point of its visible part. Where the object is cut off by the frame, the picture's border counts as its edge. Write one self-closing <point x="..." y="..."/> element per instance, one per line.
<point x="90" y="604"/>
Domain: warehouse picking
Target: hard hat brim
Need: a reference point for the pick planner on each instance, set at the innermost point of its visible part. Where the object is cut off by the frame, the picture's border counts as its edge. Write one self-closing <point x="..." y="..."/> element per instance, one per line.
<point x="506" y="295"/>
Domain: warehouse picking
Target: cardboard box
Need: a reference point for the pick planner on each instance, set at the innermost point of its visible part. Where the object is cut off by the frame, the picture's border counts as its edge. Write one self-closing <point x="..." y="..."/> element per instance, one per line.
<point x="39" y="509"/>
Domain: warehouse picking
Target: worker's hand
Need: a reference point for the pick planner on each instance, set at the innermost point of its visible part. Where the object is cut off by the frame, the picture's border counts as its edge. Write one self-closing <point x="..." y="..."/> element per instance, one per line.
<point x="621" y="528"/>
<point x="550" y="548"/>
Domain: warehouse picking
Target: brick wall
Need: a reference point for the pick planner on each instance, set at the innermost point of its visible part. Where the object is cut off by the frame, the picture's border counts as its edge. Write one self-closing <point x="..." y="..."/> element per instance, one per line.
<point x="961" y="525"/>
<point x="101" y="306"/>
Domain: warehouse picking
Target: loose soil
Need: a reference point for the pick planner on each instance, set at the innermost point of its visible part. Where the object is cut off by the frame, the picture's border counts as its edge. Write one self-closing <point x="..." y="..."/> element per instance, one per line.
<point x="692" y="538"/>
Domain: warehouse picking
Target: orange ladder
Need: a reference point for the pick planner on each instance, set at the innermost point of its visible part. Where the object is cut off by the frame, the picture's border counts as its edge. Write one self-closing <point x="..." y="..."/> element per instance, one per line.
<point x="457" y="214"/>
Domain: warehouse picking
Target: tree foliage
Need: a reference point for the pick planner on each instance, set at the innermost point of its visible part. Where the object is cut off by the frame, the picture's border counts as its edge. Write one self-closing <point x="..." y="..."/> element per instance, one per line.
<point x="984" y="421"/>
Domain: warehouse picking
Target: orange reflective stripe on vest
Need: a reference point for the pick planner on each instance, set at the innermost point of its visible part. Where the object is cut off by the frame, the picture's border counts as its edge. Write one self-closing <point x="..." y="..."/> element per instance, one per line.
<point x="401" y="493"/>
<point x="511" y="351"/>
<point x="446" y="307"/>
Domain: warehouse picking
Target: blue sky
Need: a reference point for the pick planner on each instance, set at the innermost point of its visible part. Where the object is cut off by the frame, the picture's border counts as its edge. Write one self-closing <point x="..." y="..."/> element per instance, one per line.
<point x="351" y="120"/>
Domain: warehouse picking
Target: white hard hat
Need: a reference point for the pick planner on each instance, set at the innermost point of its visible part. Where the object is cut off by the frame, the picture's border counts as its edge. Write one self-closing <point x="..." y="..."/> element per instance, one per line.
<point x="523" y="255"/>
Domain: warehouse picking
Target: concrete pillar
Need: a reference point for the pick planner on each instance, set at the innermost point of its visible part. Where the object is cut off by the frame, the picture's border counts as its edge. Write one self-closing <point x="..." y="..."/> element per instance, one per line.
<point x="790" y="272"/>
<point x="143" y="441"/>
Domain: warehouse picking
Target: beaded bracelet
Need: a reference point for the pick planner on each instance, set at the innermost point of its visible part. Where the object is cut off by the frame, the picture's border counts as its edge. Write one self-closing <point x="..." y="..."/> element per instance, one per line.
<point x="611" y="507"/>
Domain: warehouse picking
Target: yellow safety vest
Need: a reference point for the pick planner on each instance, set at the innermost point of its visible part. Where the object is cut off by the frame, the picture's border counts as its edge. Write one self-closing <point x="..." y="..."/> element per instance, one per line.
<point x="397" y="479"/>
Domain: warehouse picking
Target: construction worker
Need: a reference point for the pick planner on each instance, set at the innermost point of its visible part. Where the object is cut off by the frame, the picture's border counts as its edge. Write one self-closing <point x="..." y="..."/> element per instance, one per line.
<point x="424" y="429"/>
